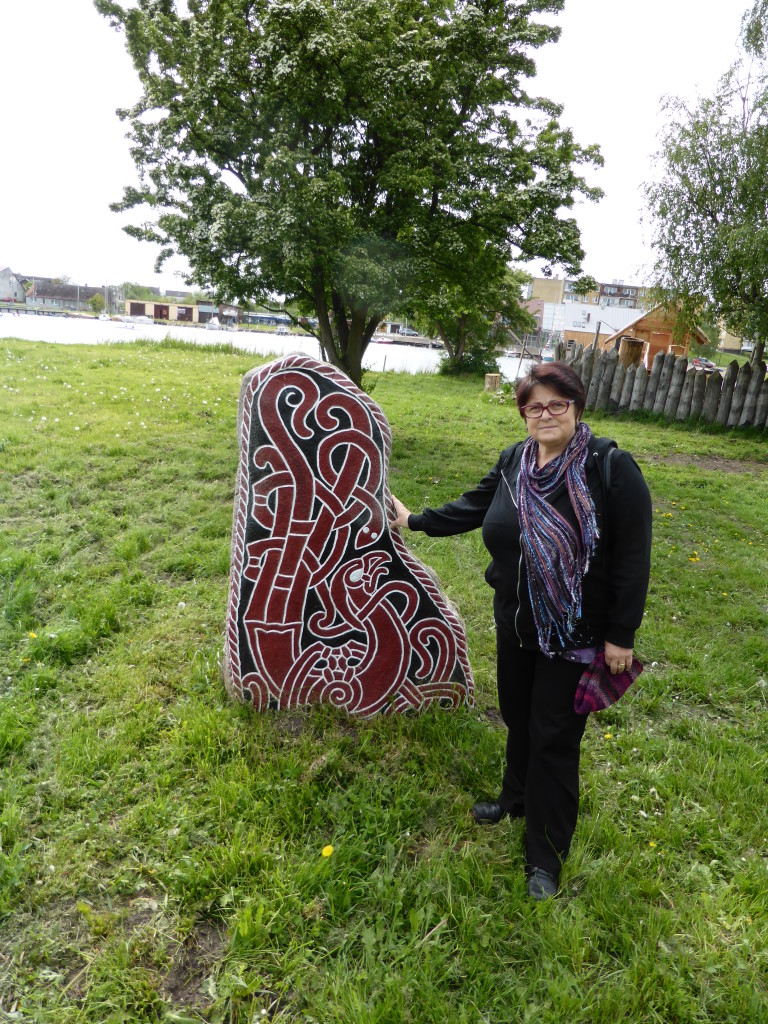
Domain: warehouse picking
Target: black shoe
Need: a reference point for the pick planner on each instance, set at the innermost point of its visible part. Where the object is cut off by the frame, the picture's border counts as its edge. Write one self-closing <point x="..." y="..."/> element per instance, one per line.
<point x="490" y="813"/>
<point x="541" y="884"/>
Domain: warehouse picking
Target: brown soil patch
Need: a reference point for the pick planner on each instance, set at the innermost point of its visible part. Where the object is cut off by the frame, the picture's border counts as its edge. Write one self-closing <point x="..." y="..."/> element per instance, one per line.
<point x="714" y="463"/>
<point x="185" y="984"/>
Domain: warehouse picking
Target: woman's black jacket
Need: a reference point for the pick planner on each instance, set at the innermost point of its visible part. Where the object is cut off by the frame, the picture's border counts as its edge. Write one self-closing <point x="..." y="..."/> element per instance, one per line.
<point x="615" y="586"/>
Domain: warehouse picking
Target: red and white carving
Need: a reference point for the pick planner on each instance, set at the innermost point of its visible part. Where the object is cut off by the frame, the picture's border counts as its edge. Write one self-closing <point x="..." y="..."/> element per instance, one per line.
<point x="325" y="604"/>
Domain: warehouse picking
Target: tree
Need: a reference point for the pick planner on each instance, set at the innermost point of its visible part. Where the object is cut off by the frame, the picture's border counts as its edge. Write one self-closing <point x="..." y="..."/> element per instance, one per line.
<point x="585" y="284"/>
<point x="754" y="28"/>
<point x="710" y="219"/>
<point x="336" y="153"/>
<point x="96" y="302"/>
<point x="472" y="317"/>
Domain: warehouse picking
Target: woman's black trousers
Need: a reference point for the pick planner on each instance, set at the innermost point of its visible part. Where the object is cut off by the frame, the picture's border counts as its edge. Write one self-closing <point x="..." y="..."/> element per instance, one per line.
<point x="543" y="741"/>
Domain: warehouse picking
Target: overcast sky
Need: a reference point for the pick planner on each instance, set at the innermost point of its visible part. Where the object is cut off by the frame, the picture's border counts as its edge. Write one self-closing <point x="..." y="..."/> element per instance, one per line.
<point x="64" y="156"/>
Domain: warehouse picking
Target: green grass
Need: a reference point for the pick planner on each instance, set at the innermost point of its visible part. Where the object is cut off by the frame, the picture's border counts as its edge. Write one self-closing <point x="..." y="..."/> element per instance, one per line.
<point x="160" y="848"/>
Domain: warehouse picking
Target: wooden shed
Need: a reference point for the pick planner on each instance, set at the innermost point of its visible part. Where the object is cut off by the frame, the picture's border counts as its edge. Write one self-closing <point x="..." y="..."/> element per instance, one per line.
<point x="655" y="328"/>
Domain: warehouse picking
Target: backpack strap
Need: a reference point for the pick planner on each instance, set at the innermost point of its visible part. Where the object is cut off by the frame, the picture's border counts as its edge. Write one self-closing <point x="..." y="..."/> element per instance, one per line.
<point x="602" y="449"/>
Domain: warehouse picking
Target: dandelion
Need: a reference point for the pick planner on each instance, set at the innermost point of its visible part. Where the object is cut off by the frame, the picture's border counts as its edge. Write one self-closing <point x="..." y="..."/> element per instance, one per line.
<point x="608" y="736"/>
<point x="652" y="844"/>
<point x="327" y="851"/>
<point x="32" y="636"/>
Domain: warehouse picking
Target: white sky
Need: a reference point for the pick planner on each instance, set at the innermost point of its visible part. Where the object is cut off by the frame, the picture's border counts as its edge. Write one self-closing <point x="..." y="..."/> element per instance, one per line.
<point x="64" y="157"/>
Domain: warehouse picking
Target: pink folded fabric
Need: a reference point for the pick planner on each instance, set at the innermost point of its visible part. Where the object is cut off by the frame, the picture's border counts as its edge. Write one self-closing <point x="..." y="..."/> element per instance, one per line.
<point x="598" y="688"/>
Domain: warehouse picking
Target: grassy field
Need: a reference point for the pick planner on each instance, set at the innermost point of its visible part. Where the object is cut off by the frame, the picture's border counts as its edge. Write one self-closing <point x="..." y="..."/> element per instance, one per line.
<point x="161" y="850"/>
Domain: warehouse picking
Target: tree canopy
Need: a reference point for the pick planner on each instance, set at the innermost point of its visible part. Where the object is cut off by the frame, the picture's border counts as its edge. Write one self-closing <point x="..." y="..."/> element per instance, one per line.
<point x="754" y="28"/>
<point x="710" y="218"/>
<point x="346" y="154"/>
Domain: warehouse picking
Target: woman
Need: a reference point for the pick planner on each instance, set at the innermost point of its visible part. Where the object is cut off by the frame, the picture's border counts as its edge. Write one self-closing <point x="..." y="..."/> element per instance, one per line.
<point x="570" y="567"/>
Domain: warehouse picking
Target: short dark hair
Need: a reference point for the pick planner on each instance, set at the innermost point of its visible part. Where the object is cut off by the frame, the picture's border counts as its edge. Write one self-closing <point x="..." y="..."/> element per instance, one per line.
<point x="560" y="377"/>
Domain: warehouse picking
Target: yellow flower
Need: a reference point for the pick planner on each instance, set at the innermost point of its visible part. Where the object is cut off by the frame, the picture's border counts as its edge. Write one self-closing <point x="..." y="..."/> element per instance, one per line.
<point x="327" y="851"/>
<point x="32" y="636"/>
<point x="651" y="843"/>
<point x="608" y="736"/>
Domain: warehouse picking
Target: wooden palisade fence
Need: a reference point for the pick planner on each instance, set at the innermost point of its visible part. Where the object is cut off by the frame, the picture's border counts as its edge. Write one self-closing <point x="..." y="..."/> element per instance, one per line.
<point x="672" y="389"/>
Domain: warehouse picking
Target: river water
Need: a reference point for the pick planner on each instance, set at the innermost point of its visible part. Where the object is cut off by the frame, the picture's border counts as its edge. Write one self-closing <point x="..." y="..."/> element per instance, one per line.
<point x="61" y="330"/>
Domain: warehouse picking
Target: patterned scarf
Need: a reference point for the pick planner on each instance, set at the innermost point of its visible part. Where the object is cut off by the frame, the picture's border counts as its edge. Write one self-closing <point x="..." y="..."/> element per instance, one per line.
<point x="556" y="555"/>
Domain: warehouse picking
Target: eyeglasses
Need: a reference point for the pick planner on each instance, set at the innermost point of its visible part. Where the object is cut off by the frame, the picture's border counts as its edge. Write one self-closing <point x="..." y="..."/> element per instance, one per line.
<point x="558" y="407"/>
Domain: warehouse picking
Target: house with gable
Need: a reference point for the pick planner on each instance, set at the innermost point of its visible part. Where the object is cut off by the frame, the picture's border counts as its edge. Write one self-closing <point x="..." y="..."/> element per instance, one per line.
<point x="11" y="286"/>
<point x="655" y="329"/>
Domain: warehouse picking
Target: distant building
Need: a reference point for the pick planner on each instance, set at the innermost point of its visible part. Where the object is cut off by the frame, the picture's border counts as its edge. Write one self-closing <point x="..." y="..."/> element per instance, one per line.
<point x="617" y="293"/>
<point x="574" y="322"/>
<point x="628" y="296"/>
<point x="192" y="313"/>
<point x="11" y="286"/>
<point x="45" y="293"/>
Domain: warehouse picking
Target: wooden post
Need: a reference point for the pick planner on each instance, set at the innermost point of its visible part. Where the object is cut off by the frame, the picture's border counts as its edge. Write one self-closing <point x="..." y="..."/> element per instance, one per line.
<point x="492" y="381"/>
<point x="726" y="395"/>
<point x="597" y="376"/>
<point x="699" y="389"/>
<point x="586" y="367"/>
<point x="757" y="371"/>
<point x="653" y="381"/>
<point x="667" y="368"/>
<point x="609" y="370"/>
<point x="739" y="394"/>
<point x="627" y="387"/>
<point x="639" y="388"/>
<point x="679" y="369"/>
<point x="686" y="395"/>
<point x="616" y="385"/>
<point x="711" y="404"/>
<point x="761" y="410"/>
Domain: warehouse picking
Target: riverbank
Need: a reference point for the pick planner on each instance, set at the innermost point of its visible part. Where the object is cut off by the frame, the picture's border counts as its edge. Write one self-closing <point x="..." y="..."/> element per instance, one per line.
<point x="400" y="358"/>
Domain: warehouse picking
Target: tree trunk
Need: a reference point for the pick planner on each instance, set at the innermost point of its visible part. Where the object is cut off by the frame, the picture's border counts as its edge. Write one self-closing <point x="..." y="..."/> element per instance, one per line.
<point x="345" y="335"/>
<point x="630" y="351"/>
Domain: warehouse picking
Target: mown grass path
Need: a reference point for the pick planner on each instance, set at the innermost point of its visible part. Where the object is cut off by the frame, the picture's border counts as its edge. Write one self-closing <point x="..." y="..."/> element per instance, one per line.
<point x="161" y="850"/>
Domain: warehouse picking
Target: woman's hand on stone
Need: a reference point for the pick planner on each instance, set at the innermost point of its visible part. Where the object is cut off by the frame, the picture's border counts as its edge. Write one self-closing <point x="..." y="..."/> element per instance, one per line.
<point x="401" y="513"/>
<point x="618" y="659"/>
